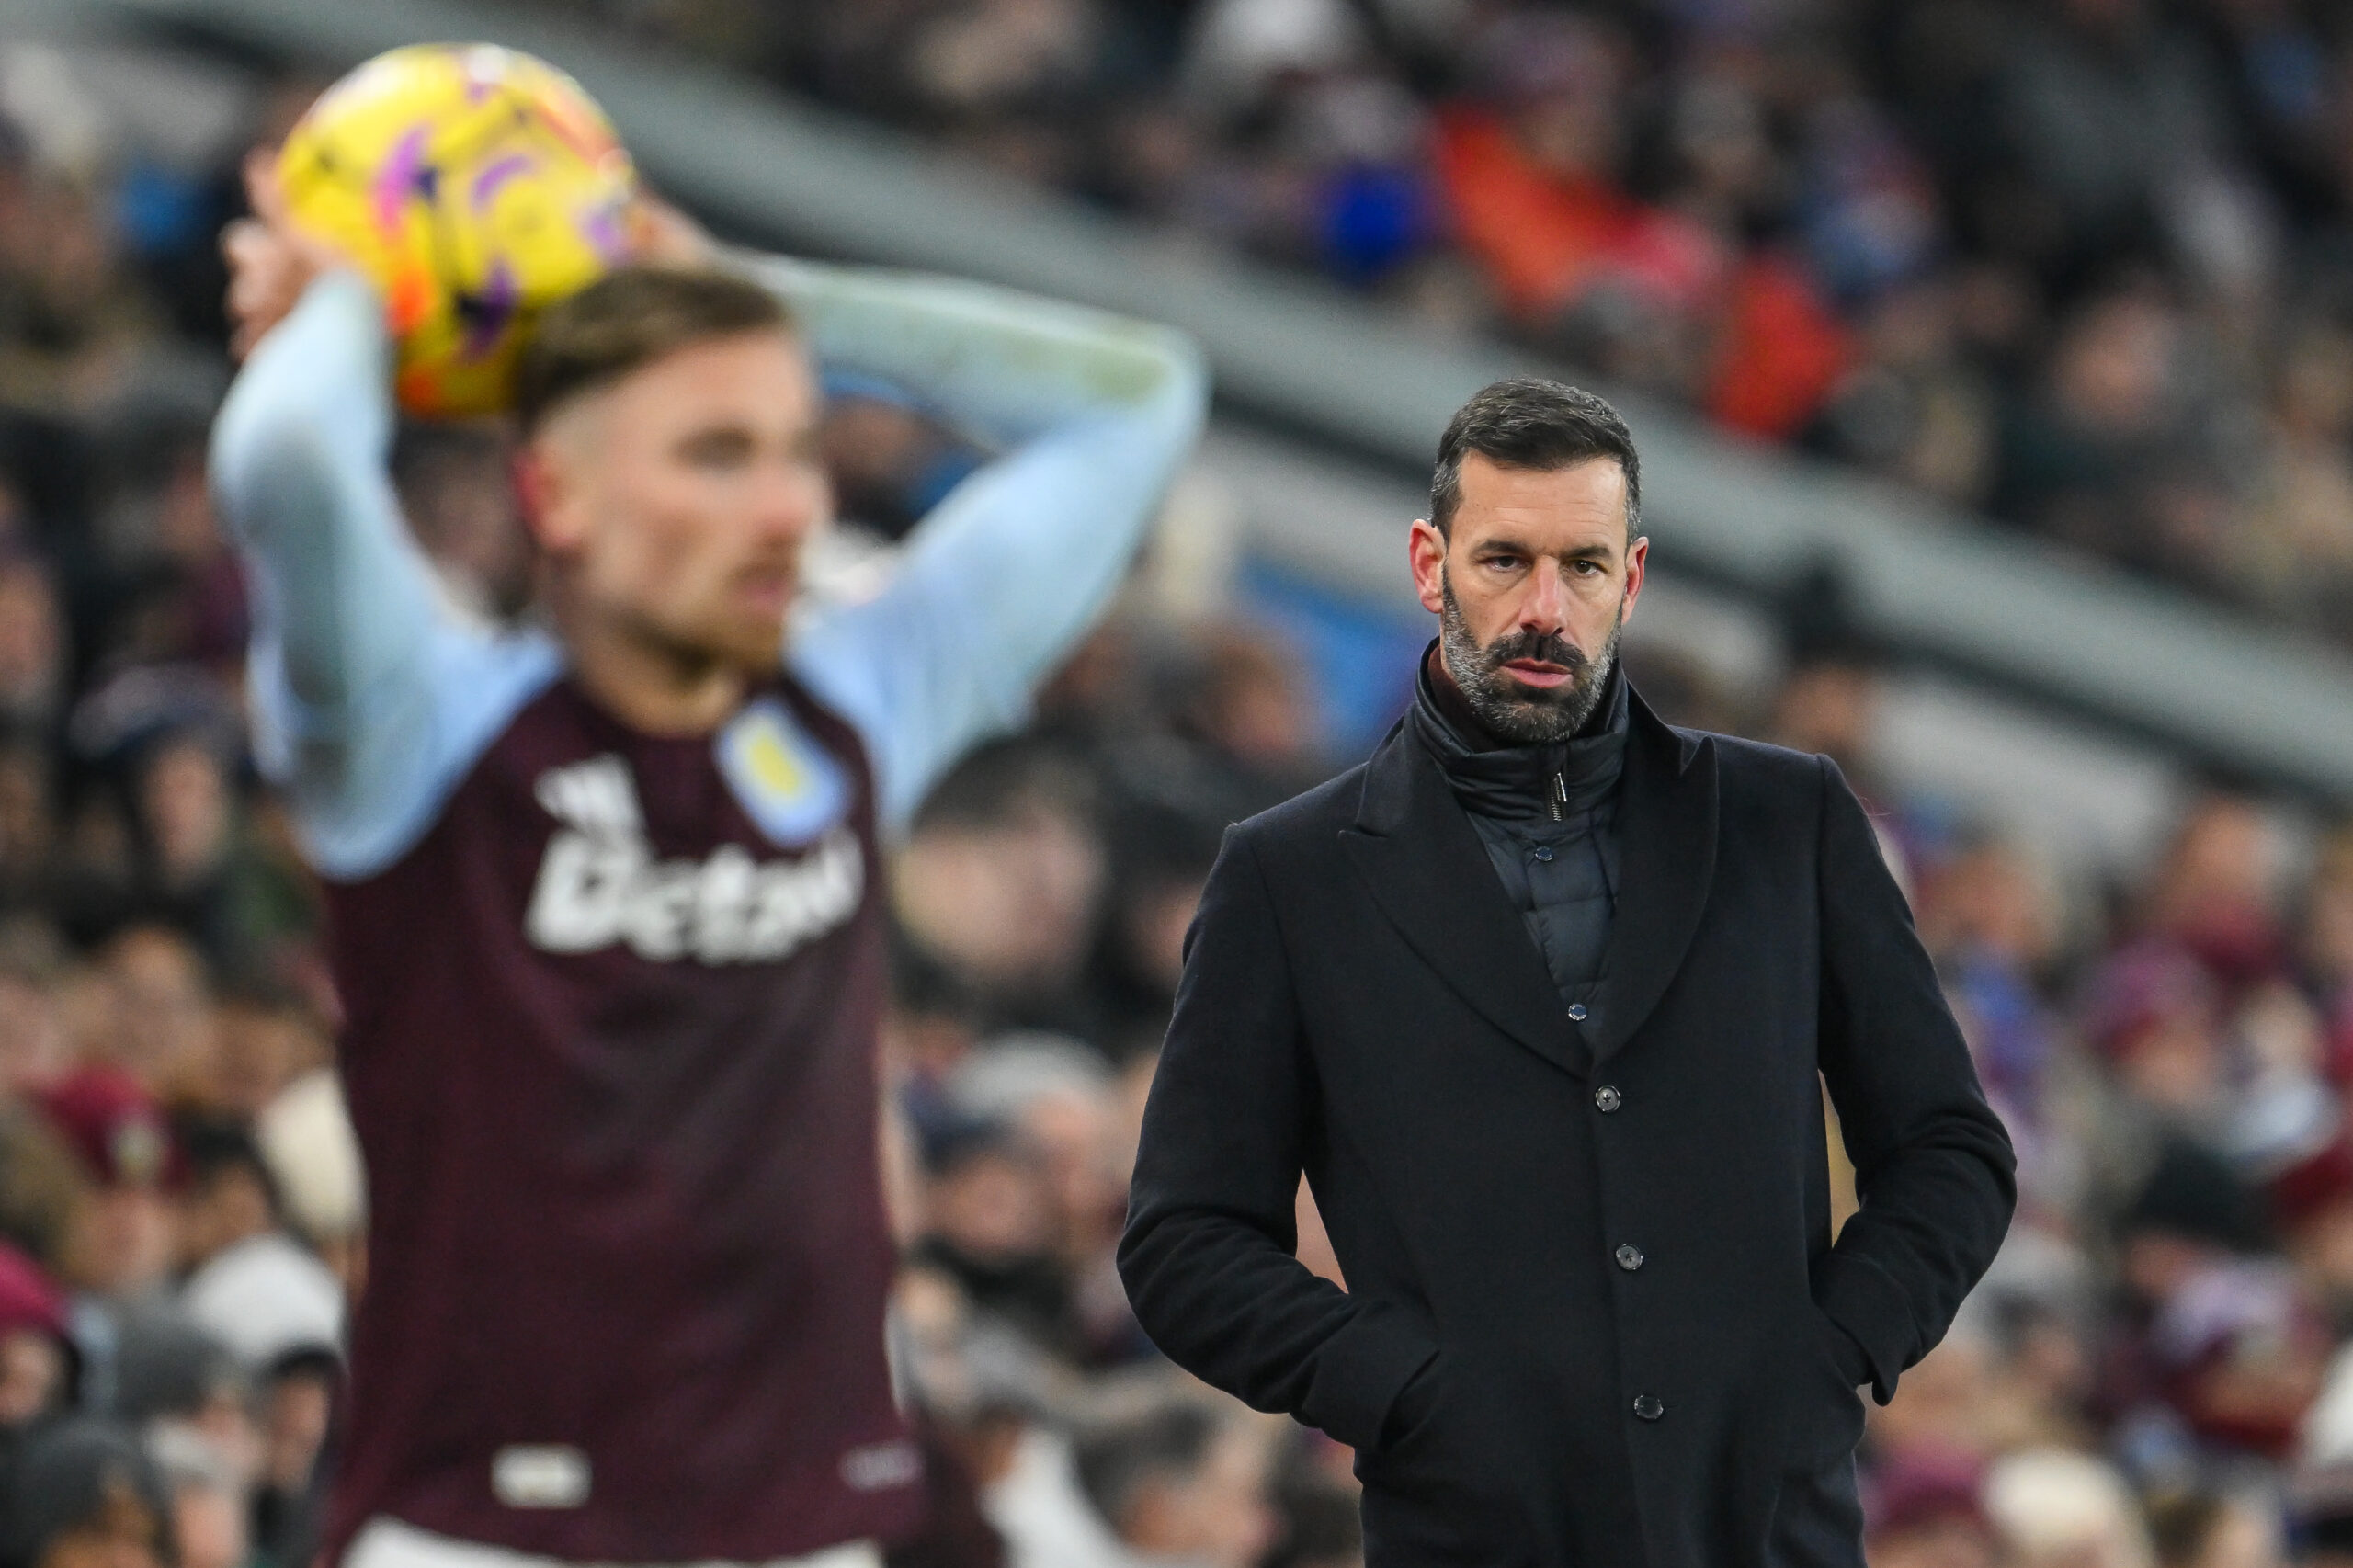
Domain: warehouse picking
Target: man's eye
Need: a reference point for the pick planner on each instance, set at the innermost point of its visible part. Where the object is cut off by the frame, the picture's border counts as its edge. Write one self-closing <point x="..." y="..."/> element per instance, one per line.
<point x="717" y="451"/>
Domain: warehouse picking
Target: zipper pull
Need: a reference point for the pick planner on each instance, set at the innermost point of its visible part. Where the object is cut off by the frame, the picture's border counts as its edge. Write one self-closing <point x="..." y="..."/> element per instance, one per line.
<point x="1560" y="801"/>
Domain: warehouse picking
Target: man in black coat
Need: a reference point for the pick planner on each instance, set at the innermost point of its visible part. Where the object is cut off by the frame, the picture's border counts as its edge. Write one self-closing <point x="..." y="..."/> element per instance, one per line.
<point x="1537" y="998"/>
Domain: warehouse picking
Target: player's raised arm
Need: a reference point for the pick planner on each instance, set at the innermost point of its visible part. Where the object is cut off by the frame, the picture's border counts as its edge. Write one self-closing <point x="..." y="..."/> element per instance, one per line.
<point x="368" y="693"/>
<point x="1093" y="414"/>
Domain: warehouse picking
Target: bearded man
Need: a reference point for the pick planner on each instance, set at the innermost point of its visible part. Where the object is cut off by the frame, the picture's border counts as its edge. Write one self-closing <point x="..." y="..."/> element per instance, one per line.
<point x="1539" y="999"/>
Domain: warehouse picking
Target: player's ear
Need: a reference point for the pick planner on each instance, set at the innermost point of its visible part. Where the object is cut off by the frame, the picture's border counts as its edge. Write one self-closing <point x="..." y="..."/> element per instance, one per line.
<point x="543" y="493"/>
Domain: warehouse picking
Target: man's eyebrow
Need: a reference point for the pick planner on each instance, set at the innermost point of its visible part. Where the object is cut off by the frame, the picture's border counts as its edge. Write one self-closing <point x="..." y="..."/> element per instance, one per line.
<point x="716" y="435"/>
<point x="1599" y="550"/>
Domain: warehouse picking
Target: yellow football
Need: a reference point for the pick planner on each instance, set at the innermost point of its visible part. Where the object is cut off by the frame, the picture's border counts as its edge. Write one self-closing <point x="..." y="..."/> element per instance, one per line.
<point x="475" y="184"/>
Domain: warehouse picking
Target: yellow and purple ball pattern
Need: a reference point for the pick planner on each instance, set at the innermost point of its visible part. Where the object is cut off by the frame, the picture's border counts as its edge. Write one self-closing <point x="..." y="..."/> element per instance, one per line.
<point x="475" y="186"/>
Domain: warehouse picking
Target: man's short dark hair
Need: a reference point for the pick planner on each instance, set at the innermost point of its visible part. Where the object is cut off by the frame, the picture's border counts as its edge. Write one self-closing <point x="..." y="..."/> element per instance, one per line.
<point x="1116" y="1460"/>
<point x="628" y="319"/>
<point x="1527" y="422"/>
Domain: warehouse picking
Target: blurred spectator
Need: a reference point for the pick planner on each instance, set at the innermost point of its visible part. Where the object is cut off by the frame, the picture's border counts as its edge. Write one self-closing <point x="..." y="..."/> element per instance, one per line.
<point x="1926" y="1514"/>
<point x="453" y="488"/>
<point x="42" y="1184"/>
<point x="2208" y="1529"/>
<point x="32" y="647"/>
<point x="230" y="1197"/>
<point x="1249" y="704"/>
<point x="85" y="1494"/>
<point x="2156" y="1016"/>
<point x="36" y="1357"/>
<point x="36" y="1043"/>
<point x="159" y="1024"/>
<point x="2300" y="545"/>
<point x="122" y="1237"/>
<point x="1914" y="408"/>
<point x="2239" y="1352"/>
<point x="279" y="1312"/>
<point x="28" y="826"/>
<point x="1061" y="1096"/>
<point x="267" y="1037"/>
<point x="2056" y="1509"/>
<point x="168" y="1369"/>
<point x="2216" y="891"/>
<point x="209" y="1523"/>
<point x="1941" y="1409"/>
<point x="890" y="465"/>
<point x="1002" y="876"/>
<point x="993" y="1228"/>
<point x="1161" y="854"/>
<point x="1179" y="1482"/>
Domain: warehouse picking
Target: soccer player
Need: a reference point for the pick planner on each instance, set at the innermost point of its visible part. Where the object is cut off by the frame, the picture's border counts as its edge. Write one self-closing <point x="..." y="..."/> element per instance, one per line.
<point x="604" y="892"/>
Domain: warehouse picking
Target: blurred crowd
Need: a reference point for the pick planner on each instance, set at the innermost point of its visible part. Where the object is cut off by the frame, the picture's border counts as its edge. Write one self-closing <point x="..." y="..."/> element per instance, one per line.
<point x="2081" y="264"/>
<point x="2159" y="1370"/>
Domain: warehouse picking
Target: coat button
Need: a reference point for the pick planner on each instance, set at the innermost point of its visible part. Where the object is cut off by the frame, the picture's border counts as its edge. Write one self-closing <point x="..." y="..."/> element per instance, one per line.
<point x="1606" y="1098"/>
<point x="1576" y="1012"/>
<point x="1630" y="1256"/>
<point x="1648" y="1407"/>
<point x="1542" y="854"/>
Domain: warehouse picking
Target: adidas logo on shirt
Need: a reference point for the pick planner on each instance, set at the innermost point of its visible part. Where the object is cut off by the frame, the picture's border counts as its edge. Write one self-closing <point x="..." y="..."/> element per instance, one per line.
<point x="599" y="883"/>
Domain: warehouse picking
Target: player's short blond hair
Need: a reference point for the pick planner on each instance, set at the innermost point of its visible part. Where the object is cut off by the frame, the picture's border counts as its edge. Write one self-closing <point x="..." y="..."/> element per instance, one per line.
<point x="627" y="319"/>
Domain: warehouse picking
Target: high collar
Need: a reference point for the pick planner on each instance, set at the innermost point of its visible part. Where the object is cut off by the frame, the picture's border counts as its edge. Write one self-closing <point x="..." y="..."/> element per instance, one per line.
<point x="1558" y="781"/>
<point x="1416" y="848"/>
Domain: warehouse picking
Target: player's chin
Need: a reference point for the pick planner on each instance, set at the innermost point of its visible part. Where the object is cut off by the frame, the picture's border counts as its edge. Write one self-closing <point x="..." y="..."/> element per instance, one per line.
<point x="753" y="641"/>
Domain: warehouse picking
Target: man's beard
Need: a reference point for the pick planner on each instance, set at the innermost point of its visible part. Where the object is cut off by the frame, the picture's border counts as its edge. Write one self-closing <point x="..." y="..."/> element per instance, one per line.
<point x="1511" y="709"/>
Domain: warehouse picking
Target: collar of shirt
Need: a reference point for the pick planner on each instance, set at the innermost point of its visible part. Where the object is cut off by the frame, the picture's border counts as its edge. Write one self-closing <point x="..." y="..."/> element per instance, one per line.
<point x="1515" y="781"/>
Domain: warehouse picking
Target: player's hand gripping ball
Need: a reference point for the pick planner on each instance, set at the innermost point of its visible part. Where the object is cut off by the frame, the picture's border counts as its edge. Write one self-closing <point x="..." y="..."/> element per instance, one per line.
<point x="474" y="185"/>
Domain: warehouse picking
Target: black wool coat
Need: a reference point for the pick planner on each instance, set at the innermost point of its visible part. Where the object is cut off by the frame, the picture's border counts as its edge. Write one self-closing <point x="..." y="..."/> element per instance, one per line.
<point x="1599" y="1250"/>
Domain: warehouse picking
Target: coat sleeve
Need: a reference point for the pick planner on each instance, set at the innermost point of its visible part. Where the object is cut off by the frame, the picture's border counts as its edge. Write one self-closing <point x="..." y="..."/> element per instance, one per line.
<point x="1933" y="1166"/>
<point x="1207" y="1255"/>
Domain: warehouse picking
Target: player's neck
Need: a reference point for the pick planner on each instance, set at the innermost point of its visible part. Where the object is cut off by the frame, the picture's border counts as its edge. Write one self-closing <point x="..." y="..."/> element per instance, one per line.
<point x="648" y="683"/>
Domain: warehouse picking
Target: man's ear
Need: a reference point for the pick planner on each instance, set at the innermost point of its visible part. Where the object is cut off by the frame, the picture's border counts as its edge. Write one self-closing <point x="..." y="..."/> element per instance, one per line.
<point x="1425" y="548"/>
<point x="544" y="494"/>
<point x="1637" y="564"/>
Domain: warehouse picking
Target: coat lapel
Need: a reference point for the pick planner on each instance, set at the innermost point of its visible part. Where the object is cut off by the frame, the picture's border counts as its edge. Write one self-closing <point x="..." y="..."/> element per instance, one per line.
<point x="1424" y="864"/>
<point x="1666" y="846"/>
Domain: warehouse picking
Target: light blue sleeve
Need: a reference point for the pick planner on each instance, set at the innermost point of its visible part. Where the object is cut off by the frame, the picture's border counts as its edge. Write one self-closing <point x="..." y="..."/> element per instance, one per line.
<point x="1094" y="413"/>
<point x="372" y="696"/>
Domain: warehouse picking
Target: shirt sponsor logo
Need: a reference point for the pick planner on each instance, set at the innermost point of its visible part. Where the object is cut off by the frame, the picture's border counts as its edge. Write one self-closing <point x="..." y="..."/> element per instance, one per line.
<point x="599" y="883"/>
<point x="539" y="1475"/>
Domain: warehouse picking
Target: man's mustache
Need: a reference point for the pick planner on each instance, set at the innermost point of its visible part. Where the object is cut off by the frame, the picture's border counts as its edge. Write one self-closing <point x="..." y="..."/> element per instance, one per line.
<point x="1539" y="647"/>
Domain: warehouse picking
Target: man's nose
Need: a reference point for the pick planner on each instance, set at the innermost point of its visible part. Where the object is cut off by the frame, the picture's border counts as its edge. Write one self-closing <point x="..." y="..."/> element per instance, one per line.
<point x="791" y="499"/>
<point x="1545" y="606"/>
